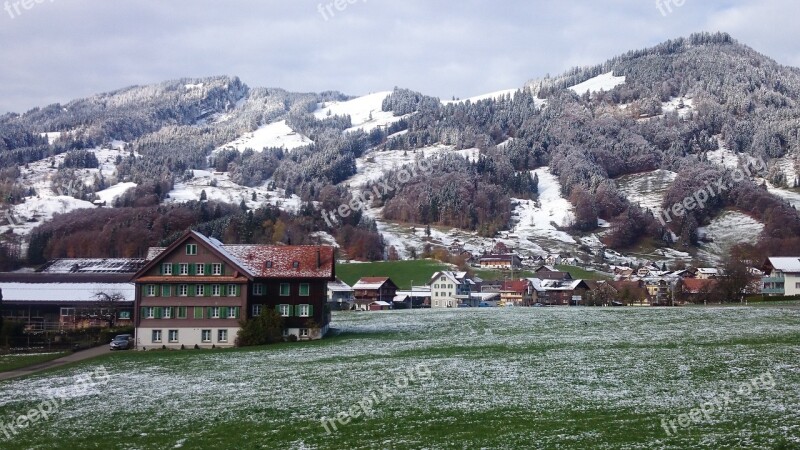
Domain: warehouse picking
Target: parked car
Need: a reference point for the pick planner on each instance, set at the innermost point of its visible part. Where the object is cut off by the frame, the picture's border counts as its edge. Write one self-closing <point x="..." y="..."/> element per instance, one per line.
<point x="122" y="342"/>
<point x="538" y="304"/>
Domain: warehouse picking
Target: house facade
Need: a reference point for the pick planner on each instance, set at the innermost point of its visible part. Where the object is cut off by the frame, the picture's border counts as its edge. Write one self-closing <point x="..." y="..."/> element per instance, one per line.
<point x="196" y="291"/>
<point x="340" y="295"/>
<point x="781" y="276"/>
<point x="448" y="289"/>
<point x="373" y="289"/>
<point x="501" y="261"/>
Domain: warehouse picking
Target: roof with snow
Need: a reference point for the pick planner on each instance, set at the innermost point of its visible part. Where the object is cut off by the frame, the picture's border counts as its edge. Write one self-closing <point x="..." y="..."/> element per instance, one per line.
<point x="339" y="286"/>
<point x="92" y="265"/>
<point x="787" y="264"/>
<point x="64" y="292"/>
<point x="371" y="283"/>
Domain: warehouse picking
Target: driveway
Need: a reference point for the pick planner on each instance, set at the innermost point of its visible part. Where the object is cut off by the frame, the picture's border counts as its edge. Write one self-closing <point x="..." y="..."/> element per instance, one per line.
<point x="73" y="357"/>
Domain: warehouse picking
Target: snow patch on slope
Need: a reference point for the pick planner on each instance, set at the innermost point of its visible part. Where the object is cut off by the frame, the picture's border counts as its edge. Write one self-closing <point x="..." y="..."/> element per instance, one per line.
<point x="604" y="82"/>
<point x="646" y="188"/>
<point x="540" y="218"/>
<point x="360" y="110"/>
<point x="726" y="230"/>
<point x="477" y="98"/>
<point x="273" y="135"/>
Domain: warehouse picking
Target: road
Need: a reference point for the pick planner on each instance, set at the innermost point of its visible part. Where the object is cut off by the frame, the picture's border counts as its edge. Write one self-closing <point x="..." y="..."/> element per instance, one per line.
<point x="73" y="357"/>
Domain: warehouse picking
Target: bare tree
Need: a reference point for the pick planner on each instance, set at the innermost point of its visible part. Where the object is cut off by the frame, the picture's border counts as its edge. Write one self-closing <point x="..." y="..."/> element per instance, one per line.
<point x="111" y="303"/>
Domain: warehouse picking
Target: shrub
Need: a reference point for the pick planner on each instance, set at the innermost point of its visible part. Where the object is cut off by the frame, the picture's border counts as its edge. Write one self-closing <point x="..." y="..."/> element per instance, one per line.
<point x="260" y="330"/>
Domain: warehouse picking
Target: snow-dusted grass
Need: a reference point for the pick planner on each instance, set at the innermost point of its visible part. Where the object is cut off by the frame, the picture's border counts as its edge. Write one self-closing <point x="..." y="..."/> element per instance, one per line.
<point x="647" y="188"/>
<point x="726" y="230"/>
<point x="604" y="82"/>
<point x="540" y="218"/>
<point x="20" y="360"/>
<point x="273" y="135"/>
<point x="506" y="378"/>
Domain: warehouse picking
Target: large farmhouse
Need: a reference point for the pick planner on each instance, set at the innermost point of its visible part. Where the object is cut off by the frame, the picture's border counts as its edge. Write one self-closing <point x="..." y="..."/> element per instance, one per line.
<point x="197" y="290"/>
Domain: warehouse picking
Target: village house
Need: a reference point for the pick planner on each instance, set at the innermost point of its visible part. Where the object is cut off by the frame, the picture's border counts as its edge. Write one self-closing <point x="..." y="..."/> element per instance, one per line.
<point x="448" y="289"/>
<point x="697" y="290"/>
<point x="373" y="289"/>
<point x="781" y="276"/>
<point x="416" y="297"/>
<point x="72" y="293"/>
<point x="516" y="293"/>
<point x="196" y="291"/>
<point x="706" y="273"/>
<point x="631" y="293"/>
<point x="507" y="261"/>
<point x="340" y="295"/>
<point x="564" y="291"/>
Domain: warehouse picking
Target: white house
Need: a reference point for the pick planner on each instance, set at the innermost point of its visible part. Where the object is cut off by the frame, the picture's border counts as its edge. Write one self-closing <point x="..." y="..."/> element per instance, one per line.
<point x="782" y="276"/>
<point x="448" y="289"/>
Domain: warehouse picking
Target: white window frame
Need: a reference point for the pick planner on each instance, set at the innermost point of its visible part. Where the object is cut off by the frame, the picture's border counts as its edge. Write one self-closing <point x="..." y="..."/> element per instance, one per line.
<point x="258" y="289"/>
<point x="257" y="309"/>
<point x="303" y="332"/>
<point x="172" y="336"/>
<point x="151" y="290"/>
<point x="288" y="291"/>
<point x="65" y="312"/>
<point x="166" y="268"/>
<point x="215" y="312"/>
<point x="200" y="269"/>
<point x="205" y="336"/>
<point x="216" y="269"/>
<point x="199" y="290"/>
<point x="183" y="269"/>
<point x="183" y="290"/>
<point x="167" y="313"/>
<point x="150" y="312"/>
<point x="222" y="333"/>
<point x="216" y="290"/>
<point x="300" y="290"/>
<point x="284" y="310"/>
<point x="232" y="290"/>
<point x="191" y="249"/>
<point x="156" y="336"/>
<point x="305" y="310"/>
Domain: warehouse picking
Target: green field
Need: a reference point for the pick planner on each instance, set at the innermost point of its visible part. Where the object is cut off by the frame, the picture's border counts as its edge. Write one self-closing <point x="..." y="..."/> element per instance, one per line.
<point x="18" y="361"/>
<point x="510" y="378"/>
<point x="401" y="272"/>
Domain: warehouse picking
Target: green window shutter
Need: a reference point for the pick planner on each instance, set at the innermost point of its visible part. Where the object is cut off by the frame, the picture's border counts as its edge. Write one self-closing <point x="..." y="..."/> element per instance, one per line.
<point x="191" y="290"/>
<point x="208" y="312"/>
<point x="208" y="269"/>
<point x="222" y="271"/>
<point x="142" y="312"/>
<point x="176" y="268"/>
<point x="144" y="290"/>
<point x="311" y="310"/>
<point x="158" y="311"/>
<point x="161" y="269"/>
<point x="191" y="269"/>
<point x="223" y="312"/>
<point x="238" y="290"/>
<point x="206" y="290"/>
<point x="236" y="312"/>
<point x="198" y="312"/>
<point x="278" y="308"/>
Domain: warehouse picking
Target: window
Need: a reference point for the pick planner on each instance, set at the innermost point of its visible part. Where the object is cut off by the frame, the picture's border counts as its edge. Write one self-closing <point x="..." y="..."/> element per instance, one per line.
<point x="233" y="290"/>
<point x="125" y="315"/>
<point x="443" y="279"/>
<point x="149" y="312"/>
<point x="183" y="290"/>
<point x="191" y="249"/>
<point x="214" y="312"/>
<point x="198" y="290"/>
<point x="67" y="312"/>
<point x="797" y="285"/>
<point x="256" y="310"/>
<point x="304" y="289"/>
<point x="151" y="290"/>
<point x="167" y="313"/>
<point x="285" y="332"/>
<point x="284" y="289"/>
<point x="205" y="335"/>
<point x="222" y="335"/>
<point x="182" y="312"/>
<point x="295" y="264"/>
<point x="165" y="290"/>
<point x="258" y="289"/>
<point x="436" y="303"/>
<point x="215" y="290"/>
<point x="233" y="312"/>
<point x="268" y="264"/>
<point x="200" y="269"/>
<point x="304" y="310"/>
<point x="156" y="335"/>
<point x="216" y="269"/>
<point x="166" y="268"/>
<point x="173" y="335"/>
<point x="183" y="269"/>
<point x="303" y="332"/>
<point x="285" y="310"/>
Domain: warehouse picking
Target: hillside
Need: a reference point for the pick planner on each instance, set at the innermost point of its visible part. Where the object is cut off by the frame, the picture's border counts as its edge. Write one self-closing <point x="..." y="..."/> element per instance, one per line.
<point x="576" y="163"/>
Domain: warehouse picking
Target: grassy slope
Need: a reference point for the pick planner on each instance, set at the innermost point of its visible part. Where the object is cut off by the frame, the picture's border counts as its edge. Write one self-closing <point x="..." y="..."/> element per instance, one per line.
<point x="13" y="362"/>
<point x="521" y="378"/>
<point x="401" y="272"/>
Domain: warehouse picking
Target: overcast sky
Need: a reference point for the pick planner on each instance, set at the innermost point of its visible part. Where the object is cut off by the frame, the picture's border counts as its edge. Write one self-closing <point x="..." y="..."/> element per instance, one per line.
<point x="57" y="50"/>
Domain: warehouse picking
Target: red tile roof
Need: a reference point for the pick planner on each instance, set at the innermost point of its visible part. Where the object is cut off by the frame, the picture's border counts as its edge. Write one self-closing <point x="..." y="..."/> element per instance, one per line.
<point x="696" y="285"/>
<point x="285" y="261"/>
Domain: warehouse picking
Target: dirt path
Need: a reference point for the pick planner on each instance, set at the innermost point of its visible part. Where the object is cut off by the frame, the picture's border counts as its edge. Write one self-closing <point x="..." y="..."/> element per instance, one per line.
<point x="78" y="356"/>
